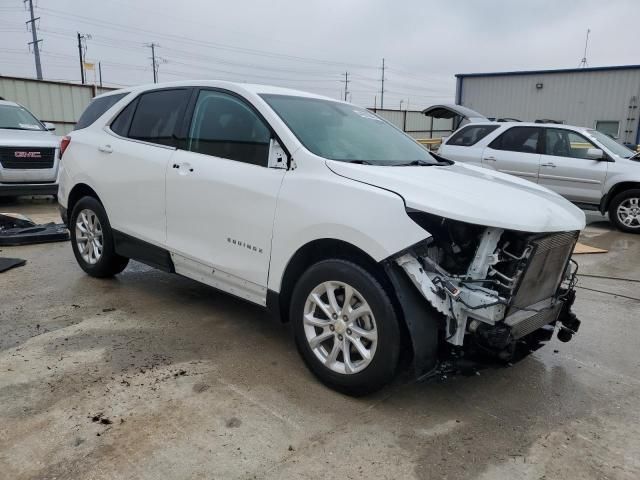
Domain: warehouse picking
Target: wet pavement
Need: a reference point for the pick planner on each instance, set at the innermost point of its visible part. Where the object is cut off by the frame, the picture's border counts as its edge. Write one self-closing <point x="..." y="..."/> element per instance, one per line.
<point x="151" y="375"/>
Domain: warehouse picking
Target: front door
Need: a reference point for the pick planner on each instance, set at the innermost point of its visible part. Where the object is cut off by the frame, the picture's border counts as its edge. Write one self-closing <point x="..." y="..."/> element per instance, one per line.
<point x="221" y="197"/>
<point x="566" y="169"/>
<point x="515" y="152"/>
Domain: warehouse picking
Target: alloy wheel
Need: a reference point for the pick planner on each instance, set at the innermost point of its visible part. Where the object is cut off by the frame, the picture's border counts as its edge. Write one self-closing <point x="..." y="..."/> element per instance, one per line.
<point x="340" y="327"/>
<point x="89" y="236"/>
<point x="628" y="212"/>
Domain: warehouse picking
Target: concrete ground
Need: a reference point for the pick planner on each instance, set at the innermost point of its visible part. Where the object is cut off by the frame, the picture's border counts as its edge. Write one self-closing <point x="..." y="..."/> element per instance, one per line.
<point x="153" y="376"/>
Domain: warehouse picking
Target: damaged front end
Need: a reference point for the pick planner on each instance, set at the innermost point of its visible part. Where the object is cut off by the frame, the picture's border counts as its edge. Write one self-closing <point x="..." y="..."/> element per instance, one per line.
<point x="501" y="293"/>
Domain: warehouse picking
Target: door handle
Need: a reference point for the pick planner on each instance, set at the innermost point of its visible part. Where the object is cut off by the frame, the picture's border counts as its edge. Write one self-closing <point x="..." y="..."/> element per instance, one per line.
<point x="490" y="159"/>
<point x="187" y="166"/>
<point x="551" y="165"/>
<point x="105" y="148"/>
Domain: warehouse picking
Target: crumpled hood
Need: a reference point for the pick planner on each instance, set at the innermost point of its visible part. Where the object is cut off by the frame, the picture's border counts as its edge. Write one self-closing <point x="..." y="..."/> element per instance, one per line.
<point x="472" y="194"/>
<point x="28" y="138"/>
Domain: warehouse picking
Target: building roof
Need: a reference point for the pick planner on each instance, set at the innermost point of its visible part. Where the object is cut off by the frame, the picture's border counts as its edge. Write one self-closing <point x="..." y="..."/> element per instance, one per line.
<point x="538" y="72"/>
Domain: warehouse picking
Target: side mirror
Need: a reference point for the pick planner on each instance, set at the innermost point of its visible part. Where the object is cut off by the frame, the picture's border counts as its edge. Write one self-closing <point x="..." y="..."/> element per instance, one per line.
<point x="595" y="154"/>
<point x="277" y="155"/>
<point x="49" y="126"/>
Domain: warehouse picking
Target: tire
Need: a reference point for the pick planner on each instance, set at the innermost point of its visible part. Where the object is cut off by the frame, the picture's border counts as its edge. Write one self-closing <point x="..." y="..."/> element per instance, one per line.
<point x="377" y="333"/>
<point x="89" y="214"/>
<point x="624" y="211"/>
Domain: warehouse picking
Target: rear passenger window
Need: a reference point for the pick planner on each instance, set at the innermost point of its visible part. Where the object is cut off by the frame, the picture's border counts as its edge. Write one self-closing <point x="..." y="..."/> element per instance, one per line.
<point x="470" y="135"/>
<point x="518" y="139"/>
<point x="225" y="126"/>
<point x="123" y="121"/>
<point x="96" y="108"/>
<point x="157" y="115"/>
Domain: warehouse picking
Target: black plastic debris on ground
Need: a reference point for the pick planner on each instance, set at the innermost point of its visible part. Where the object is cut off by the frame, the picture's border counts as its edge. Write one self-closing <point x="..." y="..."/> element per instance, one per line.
<point x="8" y="263"/>
<point x="19" y="230"/>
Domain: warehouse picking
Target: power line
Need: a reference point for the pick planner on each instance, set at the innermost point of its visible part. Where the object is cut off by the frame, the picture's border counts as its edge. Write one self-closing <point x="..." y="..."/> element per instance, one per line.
<point x="206" y="44"/>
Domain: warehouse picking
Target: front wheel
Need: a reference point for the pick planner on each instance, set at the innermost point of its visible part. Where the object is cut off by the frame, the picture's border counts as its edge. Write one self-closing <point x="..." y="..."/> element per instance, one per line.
<point x="624" y="211"/>
<point x="92" y="239"/>
<point x="345" y="327"/>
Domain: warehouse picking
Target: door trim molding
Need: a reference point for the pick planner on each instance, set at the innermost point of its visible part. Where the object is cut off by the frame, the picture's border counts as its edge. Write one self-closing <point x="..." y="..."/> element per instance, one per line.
<point x="219" y="279"/>
<point x="144" y="252"/>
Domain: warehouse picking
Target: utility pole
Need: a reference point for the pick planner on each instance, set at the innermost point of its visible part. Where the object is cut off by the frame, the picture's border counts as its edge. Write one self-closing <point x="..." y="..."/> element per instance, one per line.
<point x="100" y="72"/>
<point x="346" y="85"/>
<point x="153" y="62"/>
<point x="382" y="88"/>
<point x="81" y="51"/>
<point x="583" y="62"/>
<point x="35" y="42"/>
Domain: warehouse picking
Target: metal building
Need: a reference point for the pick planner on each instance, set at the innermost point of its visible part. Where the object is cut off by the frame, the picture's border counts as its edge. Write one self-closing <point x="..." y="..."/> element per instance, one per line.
<point x="605" y="98"/>
<point x="57" y="102"/>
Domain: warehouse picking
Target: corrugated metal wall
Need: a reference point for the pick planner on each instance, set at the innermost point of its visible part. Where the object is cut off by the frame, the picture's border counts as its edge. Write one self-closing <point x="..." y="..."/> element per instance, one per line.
<point x="55" y="102"/>
<point x="416" y="124"/>
<point x="577" y="98"/>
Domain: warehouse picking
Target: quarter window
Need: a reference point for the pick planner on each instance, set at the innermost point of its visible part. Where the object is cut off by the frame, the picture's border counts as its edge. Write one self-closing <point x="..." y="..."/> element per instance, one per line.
<point x="607" y="127"/>
<point x="518" y="139"/>
<point x="565" y="143"/>
<point x="123" y="121"/>
<point x="224" y="126"/>
<point x="96" y="108"/>
<point x="470" y="135"/>
<point x="157" y="115"/>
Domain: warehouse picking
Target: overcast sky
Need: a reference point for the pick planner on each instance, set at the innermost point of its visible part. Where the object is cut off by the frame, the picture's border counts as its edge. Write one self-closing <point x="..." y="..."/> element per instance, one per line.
<point x="310" y="44"/>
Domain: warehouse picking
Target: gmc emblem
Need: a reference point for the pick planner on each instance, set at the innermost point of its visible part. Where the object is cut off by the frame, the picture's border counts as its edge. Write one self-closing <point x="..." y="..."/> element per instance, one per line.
<point x="27" y="155"/>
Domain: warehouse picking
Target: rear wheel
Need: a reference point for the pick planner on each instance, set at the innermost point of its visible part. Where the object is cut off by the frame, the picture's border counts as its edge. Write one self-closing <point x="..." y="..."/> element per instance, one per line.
<point x="345" y="327"/>
<point x="92" y="240"/>
<point x="624" y="211"/>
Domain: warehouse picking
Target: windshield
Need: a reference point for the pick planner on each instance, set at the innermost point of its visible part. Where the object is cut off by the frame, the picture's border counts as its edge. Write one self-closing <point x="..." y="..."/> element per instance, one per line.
<point x="18" y="118"/>
<point x="340" y="131"/>
<point x="611" y="144"/>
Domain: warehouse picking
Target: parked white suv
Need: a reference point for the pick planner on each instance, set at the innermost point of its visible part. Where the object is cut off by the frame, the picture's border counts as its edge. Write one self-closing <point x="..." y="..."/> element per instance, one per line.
<point x="28" y="153"/>
<point x="583" y="165"/>
<point x="330" y="217"/>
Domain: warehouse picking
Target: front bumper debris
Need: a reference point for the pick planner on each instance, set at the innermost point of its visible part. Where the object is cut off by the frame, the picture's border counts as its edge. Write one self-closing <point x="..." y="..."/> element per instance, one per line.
<point x="506" y="297"/>
<point x="19" y="230"/>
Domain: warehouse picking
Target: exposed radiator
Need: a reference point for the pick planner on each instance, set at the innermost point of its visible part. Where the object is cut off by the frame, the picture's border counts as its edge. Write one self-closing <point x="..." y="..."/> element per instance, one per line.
<point x="543" y="274"/>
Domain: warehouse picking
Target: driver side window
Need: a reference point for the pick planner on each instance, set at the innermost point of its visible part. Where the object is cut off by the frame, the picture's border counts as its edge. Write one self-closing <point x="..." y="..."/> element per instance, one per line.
<point x="224" y="126"/>
<point x="565" y="143"/>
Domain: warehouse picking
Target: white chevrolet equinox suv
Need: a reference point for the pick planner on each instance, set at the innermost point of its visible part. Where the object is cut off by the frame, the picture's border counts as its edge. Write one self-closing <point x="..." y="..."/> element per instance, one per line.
<point x="380" y="254"/>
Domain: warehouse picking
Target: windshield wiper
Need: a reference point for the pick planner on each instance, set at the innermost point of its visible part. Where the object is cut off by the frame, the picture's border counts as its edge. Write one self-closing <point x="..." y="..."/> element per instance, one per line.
<point x="416" y="163"/>
<point x="359" y="162"/>
<point x="20" y="128"/>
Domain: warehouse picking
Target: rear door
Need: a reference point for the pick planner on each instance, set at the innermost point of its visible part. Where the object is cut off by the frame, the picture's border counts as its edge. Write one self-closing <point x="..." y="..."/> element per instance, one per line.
<point x="516" y="152"/>
<point x="221" y="196"/>
<point x="463" y="145"/>
<point x="566" y="169"/>
<point x="132" y="162"/>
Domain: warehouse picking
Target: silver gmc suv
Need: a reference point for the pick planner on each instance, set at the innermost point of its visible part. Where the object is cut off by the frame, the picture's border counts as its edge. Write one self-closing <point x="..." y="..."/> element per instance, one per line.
<point x="28" y="153"/>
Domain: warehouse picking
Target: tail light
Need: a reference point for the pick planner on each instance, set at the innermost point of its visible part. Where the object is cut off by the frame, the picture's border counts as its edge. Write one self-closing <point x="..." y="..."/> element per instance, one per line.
<point x="64" y="143"/>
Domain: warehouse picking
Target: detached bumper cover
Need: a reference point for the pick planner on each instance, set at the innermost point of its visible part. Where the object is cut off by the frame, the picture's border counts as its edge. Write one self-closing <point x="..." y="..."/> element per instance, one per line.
<point x="18" y="230"/>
